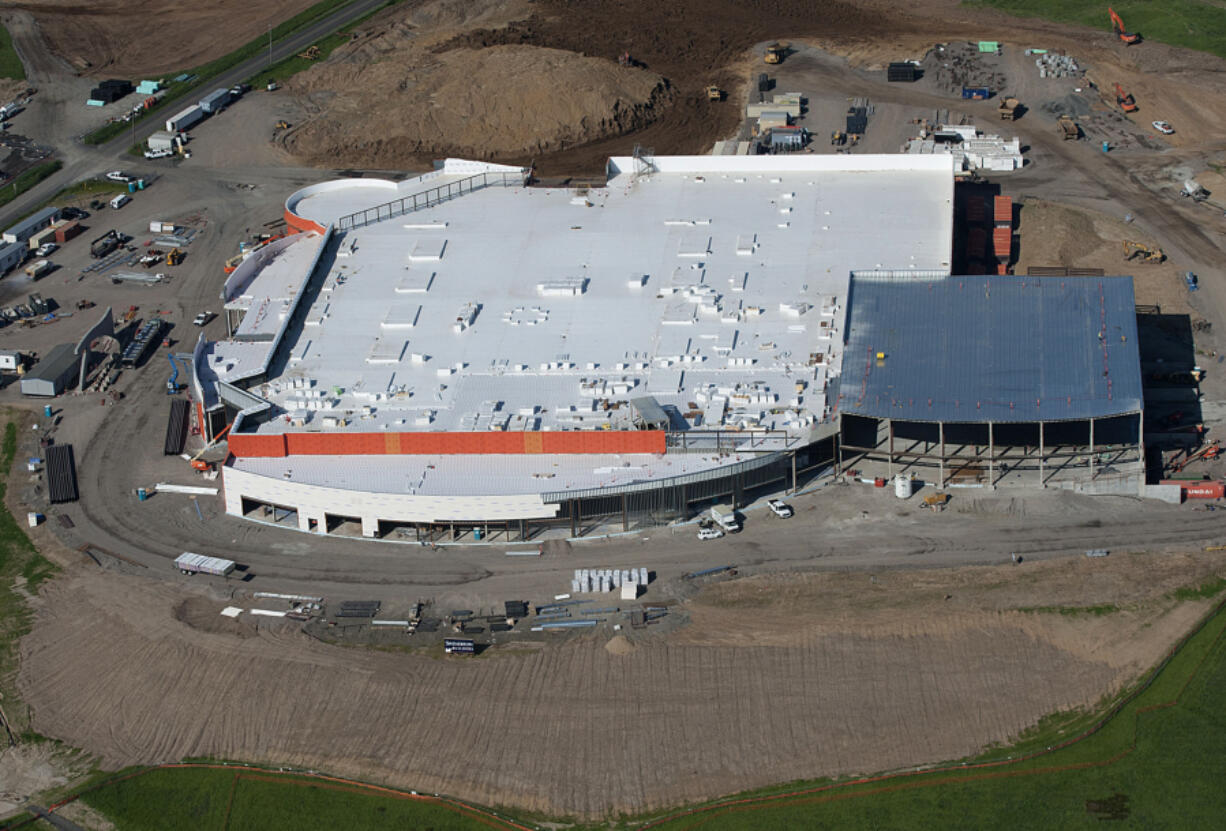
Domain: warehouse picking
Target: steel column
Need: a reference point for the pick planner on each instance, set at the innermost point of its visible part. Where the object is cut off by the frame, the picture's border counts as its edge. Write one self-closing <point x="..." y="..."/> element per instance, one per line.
<point x="1042" y="455"/>
<point x="941" y="430"/>
<point x="991" y="458"/>
<point x="1091" y="449"/>
<point x="889" y="423"/>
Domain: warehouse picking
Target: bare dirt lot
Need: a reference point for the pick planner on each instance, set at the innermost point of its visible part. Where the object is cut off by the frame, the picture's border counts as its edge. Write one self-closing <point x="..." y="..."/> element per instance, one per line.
<point x="151" y="37"/>
<point x="803" y="675"/>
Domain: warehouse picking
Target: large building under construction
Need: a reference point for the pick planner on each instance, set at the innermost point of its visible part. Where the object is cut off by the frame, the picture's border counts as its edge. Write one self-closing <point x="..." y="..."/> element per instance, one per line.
<point x="464" y="353"/>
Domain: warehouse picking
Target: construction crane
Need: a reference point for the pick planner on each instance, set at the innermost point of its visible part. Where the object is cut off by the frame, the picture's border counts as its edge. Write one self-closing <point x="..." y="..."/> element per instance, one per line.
<point x="1127" y="103"/>
<point x="1117" y="26"/>
<point x="1132" y="250"/>
<point x="775" y="53"/>
<point x="201" y="465"/>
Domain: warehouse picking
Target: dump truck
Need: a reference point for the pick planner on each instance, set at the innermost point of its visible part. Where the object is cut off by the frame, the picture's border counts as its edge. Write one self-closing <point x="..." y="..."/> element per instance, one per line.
<point x="1069" y="131"/>
<point x="725" y="517"/>
<point x="1008" y="109"/>
<point x="190" y="563"/>
<point x="775" y="53"/>
<point x="714" y="93"/>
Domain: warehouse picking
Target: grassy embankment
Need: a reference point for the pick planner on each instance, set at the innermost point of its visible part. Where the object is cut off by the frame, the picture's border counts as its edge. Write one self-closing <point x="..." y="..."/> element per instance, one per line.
<point x="1195" y="24"/>
<point x="204" y="74"/>
<point x="10" y="64"/>
<point x="27" y="179"/>
<point x="1153" y="755"/>
<point x="22" y="571"/>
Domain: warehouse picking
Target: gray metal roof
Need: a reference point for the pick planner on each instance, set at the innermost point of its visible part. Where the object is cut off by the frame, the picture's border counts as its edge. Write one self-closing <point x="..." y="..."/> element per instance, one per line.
<point x="33" y="222"/>
<point x="55" y="364"/>
<point x="991" y="348"/>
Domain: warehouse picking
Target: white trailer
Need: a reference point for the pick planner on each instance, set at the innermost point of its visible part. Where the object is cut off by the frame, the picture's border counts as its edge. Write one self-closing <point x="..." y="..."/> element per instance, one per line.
<point x="184" y="119"/>
<point x="725" y="517"/>
<point x="190" y="563"/>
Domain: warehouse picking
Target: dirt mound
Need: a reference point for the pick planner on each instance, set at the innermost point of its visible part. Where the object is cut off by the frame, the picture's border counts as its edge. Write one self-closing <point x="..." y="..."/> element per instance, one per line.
<point x="505" y="102"/>
<point x="205" y="615"/>
<point x="619" y="645"/>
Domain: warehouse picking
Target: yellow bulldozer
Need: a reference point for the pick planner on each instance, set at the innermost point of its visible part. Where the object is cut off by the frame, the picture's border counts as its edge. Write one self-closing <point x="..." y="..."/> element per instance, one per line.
<point x="714" y="93"/>
<point x="174" y="257"/>
<point x="776" y="52"/>
<point x="1133" y="250"/>
<point x="311" y="54"/>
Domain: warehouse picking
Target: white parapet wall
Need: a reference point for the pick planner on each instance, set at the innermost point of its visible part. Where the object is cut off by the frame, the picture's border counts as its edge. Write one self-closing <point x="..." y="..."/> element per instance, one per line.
<point x="312" y="502"/>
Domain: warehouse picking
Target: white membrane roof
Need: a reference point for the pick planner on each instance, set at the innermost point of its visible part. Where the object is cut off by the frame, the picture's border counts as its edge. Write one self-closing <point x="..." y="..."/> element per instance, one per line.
<point x="718" y="285"/>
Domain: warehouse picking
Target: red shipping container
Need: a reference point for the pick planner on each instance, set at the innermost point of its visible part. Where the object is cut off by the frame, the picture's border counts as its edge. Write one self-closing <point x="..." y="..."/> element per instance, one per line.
<point x="1204" y="490"/>
<point x="67" y="232"/>
<point x="1003" y="211"/>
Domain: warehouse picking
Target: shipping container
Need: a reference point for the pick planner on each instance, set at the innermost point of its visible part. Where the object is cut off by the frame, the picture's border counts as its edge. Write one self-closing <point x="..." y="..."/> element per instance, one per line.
<point x="183" y="120"/>
<point x="1199" y="489"/>
<point x="45" y="235"/>
<point x="976" y="93"/>
<point x="190" y="563"/>
<point x="162" y="141"/>
<point x="215" y="101"/>
<point x="67" y="231"/>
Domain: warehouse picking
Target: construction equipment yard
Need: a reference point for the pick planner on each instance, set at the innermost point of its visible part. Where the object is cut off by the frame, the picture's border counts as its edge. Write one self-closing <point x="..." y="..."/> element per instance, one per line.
<point x="865" y="633"/>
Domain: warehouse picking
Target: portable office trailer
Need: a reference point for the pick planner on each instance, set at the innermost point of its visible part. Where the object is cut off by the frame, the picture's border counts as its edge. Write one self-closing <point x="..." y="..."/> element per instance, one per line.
<point x="10" y="359"/>
<point x="32" y="224"/>
<point x="902" y="71"/>
<point x="162" y="141"/>
<point x="52" y="374"/>
<point x="183" y="120"/>
<point x="11" y="256"/>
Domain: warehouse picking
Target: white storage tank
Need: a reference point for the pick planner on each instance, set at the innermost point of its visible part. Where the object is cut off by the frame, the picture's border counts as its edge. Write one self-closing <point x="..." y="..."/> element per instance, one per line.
<point x="902" y="486"/>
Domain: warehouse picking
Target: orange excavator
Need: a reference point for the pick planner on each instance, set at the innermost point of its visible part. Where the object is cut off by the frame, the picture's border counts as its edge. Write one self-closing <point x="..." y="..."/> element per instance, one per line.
<point x="1127" y="103"/>
<point x="1117" y="26"/>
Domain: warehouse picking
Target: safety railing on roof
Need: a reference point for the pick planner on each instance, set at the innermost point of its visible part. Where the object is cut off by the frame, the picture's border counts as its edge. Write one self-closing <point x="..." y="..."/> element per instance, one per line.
<point x="429" y="198"/>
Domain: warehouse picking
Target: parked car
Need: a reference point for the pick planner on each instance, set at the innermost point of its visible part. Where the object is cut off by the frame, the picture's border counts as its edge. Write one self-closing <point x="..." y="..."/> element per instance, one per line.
<point x="711" y="533"/>
<point x="780" y="508"/>
<point x="1163" y="127"/>
<point x="1190" y="278"/>
<point x="47" y="248"/>
<point x="73" y="213"/>
<point x="203" y="318"/>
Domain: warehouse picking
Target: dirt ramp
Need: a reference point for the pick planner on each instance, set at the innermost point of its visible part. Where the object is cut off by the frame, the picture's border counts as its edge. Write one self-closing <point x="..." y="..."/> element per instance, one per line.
<point x="504" y="102"/>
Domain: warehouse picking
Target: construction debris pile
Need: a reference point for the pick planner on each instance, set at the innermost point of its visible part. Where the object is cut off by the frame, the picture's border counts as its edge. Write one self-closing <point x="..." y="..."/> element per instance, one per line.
<point x="1054" y="65"/>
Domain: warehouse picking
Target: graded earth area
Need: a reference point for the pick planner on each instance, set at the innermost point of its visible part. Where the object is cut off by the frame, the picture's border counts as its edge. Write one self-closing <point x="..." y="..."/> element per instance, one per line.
<point x="804" y="675"/>
<point x="152" y="37"/>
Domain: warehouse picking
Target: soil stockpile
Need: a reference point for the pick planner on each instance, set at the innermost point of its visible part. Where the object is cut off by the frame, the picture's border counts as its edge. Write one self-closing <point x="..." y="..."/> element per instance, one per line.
<point x="779" y="677"/>
<point x="505" y="102"/>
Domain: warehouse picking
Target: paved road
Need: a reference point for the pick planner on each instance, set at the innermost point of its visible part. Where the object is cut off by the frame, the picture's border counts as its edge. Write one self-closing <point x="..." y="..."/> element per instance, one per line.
<point x="83" y="160"/>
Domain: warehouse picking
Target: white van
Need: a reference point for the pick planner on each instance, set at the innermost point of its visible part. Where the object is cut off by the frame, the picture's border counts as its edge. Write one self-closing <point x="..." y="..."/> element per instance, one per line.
<point x="120" y="200"/>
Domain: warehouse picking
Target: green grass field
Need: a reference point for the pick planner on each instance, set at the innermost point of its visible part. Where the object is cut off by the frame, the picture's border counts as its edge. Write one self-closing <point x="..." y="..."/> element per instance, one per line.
<point x="1196" y="24"/>
<point x="1158" y="763"/>
<point x="18" y="559"/>
<point x="27" y="179"/>
<point x="10" y="64"/>
<point x="213" y="799"/>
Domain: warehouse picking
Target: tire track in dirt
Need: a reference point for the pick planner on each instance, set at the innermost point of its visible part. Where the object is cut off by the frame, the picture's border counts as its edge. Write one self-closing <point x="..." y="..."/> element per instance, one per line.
<point x="567" y="729"/>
